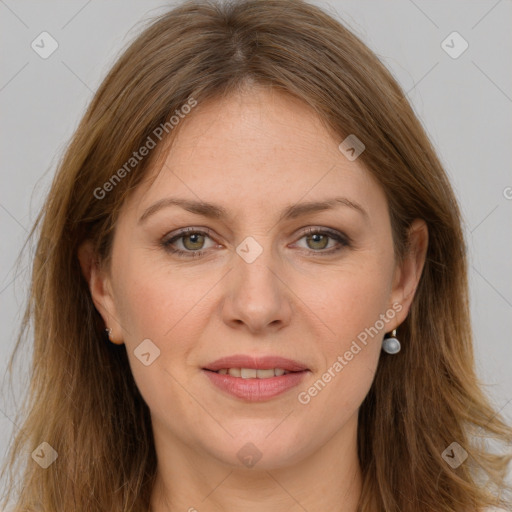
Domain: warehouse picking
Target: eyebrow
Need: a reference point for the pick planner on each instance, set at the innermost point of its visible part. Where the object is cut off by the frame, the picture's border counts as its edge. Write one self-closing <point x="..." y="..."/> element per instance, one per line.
<point x="214" y="211"/>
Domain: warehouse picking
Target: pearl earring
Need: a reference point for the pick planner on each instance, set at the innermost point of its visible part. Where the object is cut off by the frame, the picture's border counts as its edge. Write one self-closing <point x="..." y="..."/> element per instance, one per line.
<point x="391" y="345"/>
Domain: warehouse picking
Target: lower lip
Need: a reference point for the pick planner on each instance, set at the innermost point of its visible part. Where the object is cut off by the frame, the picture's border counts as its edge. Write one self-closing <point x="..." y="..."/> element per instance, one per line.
<point x="255" y="390"/>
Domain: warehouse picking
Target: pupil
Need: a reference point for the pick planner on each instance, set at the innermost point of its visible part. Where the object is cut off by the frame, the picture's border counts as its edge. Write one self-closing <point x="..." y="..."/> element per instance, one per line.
<point x="191" y="240"/>
<point x="317" y="238"/>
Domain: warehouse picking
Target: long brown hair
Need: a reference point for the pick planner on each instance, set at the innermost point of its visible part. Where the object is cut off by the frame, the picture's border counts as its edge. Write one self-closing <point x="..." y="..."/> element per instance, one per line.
<point x="83" y="400"/>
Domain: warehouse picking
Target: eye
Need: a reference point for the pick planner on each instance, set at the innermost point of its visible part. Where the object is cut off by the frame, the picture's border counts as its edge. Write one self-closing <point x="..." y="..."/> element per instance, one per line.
<point x="318" y="239"/>
<point x="191" y="239"/>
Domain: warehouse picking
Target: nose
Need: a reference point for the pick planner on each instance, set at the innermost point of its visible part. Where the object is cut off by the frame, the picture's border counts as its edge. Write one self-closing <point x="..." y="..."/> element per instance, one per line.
<point x="257" y="297"/>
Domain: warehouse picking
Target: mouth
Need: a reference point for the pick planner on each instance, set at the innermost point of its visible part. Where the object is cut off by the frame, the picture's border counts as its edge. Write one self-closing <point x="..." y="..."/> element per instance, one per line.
<point x="255" y="379"/>
<point x="241" y="365"/>
<point x="252" y="373"/>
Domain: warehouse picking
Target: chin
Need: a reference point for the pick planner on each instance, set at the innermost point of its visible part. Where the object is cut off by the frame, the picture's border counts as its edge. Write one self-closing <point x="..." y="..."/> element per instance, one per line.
<point x="260" y="451"/>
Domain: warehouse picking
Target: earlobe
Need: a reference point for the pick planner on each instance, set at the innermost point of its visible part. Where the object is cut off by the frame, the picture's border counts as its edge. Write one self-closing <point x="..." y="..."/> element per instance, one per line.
<point x="100" y="289"/>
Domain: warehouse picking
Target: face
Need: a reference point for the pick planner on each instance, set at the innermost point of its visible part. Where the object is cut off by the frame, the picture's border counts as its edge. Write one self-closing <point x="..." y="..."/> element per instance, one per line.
<point x="263" y="276"/>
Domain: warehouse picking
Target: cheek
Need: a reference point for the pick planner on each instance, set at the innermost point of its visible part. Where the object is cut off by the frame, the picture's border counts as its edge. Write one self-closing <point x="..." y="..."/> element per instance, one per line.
<point x="153" y="302"/>
<point x="350" y="361"/>
<point x="353" y="307"/>
<point x="354" y="298"/>
<point x="167" y="309"/>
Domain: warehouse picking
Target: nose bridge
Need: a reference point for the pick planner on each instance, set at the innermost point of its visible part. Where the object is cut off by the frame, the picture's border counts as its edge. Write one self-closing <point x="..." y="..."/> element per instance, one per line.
<point x="254" y="267"/>
<point x="257" y="296"/>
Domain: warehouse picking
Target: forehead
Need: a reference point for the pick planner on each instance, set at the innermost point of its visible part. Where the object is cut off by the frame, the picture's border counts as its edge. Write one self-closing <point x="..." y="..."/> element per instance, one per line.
<point x="254" y="151"/>
<point x="259" y="127"/>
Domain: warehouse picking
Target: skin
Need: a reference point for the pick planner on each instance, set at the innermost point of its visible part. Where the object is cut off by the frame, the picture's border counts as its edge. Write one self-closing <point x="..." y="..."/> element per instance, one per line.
<point x="255" y="153"/>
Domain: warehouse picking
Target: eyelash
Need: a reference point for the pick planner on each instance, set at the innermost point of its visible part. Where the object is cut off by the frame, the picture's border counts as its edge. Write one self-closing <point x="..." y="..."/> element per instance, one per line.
<point x="343" y="240"/>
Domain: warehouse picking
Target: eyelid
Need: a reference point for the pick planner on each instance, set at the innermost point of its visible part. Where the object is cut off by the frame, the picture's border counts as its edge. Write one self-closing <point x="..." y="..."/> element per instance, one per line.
<point x="173" y="236"/>
<point x="343" y="241"/>
<point x="340" y="237"/>
<point x="328" y="231"/>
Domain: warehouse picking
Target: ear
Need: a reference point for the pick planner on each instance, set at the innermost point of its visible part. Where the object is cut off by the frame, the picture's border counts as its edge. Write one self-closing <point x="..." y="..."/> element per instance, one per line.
<point x="101" y="289"/>
<point x="408" y="272"/>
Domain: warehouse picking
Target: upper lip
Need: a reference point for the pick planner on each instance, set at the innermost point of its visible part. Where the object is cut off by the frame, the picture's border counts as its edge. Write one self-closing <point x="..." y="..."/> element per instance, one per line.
<point x="257" y="362"/>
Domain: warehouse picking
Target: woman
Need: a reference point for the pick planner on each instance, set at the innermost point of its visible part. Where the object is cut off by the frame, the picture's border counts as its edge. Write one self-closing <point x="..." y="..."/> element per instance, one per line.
<point x="256" y="219"/>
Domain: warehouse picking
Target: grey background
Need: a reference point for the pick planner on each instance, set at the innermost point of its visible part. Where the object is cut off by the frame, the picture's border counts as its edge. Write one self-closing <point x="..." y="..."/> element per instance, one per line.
<point x="464" y="103"/>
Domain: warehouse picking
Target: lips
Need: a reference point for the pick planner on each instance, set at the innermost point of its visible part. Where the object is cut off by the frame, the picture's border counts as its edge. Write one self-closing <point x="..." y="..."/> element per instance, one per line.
<point x="251" y="373"/>
<point x="255" y="379"/>
<point x="256" y="363"/>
